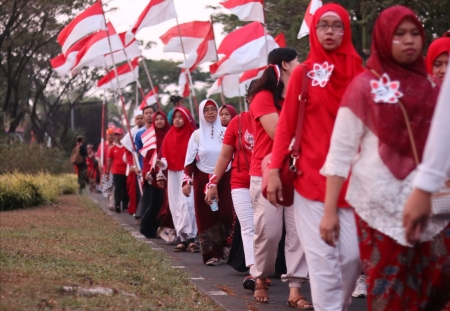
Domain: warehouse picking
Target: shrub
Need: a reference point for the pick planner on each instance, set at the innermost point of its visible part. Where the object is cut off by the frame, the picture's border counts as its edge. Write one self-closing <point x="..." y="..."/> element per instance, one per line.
<point x="24" y="190"/>
<point x="32" y="159"/>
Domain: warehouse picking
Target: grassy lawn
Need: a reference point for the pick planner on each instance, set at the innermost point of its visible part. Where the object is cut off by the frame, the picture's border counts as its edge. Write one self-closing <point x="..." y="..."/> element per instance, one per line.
<point x="75" y="244"/>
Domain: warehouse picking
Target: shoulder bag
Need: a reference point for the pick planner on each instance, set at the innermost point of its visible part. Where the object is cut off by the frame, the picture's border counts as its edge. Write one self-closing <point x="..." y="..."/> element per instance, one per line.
<point x="288" y="170"/>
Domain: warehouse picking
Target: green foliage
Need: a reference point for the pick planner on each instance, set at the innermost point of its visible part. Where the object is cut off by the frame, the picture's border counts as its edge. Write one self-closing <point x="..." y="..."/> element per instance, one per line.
<point x="24" y="190"/>
<point x="31" y="159"/>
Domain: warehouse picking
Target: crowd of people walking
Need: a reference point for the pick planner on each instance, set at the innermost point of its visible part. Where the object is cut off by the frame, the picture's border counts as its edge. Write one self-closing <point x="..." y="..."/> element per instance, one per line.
<point x="352" y="135"/>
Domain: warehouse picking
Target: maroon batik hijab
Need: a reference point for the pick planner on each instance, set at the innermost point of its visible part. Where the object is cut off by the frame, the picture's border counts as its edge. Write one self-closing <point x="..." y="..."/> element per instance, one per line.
<point x="411" y="86"/>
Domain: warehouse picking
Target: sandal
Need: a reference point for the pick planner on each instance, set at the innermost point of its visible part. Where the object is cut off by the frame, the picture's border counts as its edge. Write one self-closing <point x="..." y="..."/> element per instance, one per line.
<point x="193" y="248"/>
<point x="180" y="248"/>
<point x="213" y="262"/>
<point x="261" y="291"/>
<point x="300" y="303"/>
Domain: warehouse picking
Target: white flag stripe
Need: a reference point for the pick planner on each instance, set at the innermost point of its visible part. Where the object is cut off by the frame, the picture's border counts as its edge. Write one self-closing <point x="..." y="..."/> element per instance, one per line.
<point x="192" y="57"/>
<point x="124" y="80"/>
<point x="189" y="43"/>
<point x="252" y="11"/>
<point x="132" y="51"/>
<point x="95" y="54"/>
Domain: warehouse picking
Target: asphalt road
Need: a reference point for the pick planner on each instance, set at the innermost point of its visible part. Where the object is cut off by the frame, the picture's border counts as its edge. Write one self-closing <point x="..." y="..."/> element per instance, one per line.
<point x="222" y="283"/>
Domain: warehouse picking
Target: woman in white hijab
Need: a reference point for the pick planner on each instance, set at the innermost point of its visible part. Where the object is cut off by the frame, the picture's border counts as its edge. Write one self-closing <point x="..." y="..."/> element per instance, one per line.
<point x="205" y="144"/>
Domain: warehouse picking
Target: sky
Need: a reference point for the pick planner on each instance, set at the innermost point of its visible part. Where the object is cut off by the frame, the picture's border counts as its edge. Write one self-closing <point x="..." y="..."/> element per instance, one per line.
<point x="188" y="10"/>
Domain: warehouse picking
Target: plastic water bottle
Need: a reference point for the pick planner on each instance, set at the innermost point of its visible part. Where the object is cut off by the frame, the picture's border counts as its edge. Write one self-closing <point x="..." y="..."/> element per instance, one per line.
<point x="214" y="205"/>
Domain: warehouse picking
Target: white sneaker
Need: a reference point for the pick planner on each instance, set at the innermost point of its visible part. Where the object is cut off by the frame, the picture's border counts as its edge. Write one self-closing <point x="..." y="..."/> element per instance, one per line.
<point x="361" y="288"/>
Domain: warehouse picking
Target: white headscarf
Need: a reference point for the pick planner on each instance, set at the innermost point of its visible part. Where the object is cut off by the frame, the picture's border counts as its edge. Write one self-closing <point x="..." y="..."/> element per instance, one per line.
<point x="207" y="147"/>
<point x="211" y="134"/>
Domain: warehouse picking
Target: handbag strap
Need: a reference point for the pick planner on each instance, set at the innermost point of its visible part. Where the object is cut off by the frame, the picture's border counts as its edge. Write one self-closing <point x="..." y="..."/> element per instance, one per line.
<point x="301" y="114"/>
<point x="240" y="146"/>
<point x="408" y="125"/>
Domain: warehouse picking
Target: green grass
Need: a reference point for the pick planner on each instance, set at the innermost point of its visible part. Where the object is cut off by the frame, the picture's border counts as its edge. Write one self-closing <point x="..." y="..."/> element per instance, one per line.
<point x="73" y="243"/>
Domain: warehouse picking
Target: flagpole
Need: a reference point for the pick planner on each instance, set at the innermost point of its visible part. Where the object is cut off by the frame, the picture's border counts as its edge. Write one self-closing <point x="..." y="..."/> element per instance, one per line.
<point x="239" y="97"/>
<point x="265" y="33"/>
<point x="137" y="99"/>
<point x="120" y="95"/>
<point x="151" y="83"/>
<point x="188" y="72"/>
<point x="102" y="140"/>
<point x="222" y="98"/>
<point x="138" y="83"/>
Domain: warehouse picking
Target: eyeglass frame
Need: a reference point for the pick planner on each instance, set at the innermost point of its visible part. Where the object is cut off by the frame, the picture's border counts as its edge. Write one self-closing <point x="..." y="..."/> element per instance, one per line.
<point x="330" y="25"/>
<point x="205" y="111"/>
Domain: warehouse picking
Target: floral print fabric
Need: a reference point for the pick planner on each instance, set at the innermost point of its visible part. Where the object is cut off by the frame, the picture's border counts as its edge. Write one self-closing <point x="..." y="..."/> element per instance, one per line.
<point x="405" y="278"/>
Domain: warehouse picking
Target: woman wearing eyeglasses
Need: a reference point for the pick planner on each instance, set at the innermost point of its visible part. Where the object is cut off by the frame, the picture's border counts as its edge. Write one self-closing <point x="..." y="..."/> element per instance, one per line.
<point x="213" y="221"/>
<point x="331" y="65"/>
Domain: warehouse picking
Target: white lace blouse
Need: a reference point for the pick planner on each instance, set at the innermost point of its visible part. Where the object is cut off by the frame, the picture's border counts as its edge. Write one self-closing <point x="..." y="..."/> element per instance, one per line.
<point x="375" y="194"/>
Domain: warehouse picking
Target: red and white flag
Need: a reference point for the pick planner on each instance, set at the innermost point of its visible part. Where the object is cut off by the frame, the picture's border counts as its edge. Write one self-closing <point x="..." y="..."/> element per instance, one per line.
<point x="126" y="75"/>
<point x="192" y="34"/>
<point x="306" y="24"/>
<point x="225" y="66"/>
<point x="230" y="86"/>
<point x="248" y="76"/>
<point x="205" y="52"/>
<point x="247" y="46"/>
<point x="87" y="22"/>
<point x="183" y="82"/>
<point x="150" y="99"/>
<point x="93" y="53"/>
<point x="156" y="12"/>
<point x="131" y="51"/>
<point x="148" y="141"/>
<point x="281" y="40"/>
<point x="63" y="64"/>
<point x="246" y="10"/>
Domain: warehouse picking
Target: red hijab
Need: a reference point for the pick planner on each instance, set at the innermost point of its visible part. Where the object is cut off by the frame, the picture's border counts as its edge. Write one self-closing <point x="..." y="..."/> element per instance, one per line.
<point x="346" y="61"/>
<point x="437" y="47"/>
<point x="177" y="139"/>
<point x="230" y="109"/>
<point x="385" y="120"/>
<point x="160" y="133"/>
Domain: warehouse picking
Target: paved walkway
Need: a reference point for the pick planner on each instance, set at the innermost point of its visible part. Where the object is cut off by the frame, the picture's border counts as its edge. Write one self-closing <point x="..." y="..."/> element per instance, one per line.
<point x="222" y="283"/>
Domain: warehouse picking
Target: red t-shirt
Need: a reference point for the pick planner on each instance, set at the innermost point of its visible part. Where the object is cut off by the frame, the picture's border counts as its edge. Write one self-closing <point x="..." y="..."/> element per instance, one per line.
<point x="105" y="154"/>
<point x="119" y="166"/>
<point x="315" y="140"/>
<point x="262" y="104"/>
<point x="240" y="177"/>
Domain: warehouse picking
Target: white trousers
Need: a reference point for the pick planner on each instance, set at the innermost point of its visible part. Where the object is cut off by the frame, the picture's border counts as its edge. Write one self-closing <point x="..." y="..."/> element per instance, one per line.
<point x="333" y="271"/>
<point x="268" y="231"/>
<point x="243" y="207"/>
<point x="181" y="207"/>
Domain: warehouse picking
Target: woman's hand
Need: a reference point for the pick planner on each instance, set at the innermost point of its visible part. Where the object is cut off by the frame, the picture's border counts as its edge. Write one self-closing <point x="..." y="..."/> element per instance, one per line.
<point x="274" y="187"/>
<point x="159" y="163"/>
<point x="329" y="227"/>
<point x="160" y="183"/>
<point x="210" y="194"/>
<point x="148" y="177"/>
<point x="416" y="214"/>
<point x="187" y="190"/>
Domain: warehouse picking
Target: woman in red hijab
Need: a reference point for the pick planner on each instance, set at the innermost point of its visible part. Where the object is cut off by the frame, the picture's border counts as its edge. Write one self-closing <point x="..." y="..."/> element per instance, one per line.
<point x="437" y="58"/>
<point x="226" y="113"/>
<point x="173" y="155"/>
<point x="330" y="67"/>
<point x="371" y="138"/>
<point x="153" y="196"/>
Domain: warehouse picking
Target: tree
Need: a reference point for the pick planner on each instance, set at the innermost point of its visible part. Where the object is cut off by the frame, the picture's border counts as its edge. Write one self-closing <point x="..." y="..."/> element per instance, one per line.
<point x="29" y="89"/>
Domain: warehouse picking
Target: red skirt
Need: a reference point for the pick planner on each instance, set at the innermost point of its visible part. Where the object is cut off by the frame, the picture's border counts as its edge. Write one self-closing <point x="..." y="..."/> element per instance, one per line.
<point x="214" y="228"/>
<point x="405" y="278"/>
